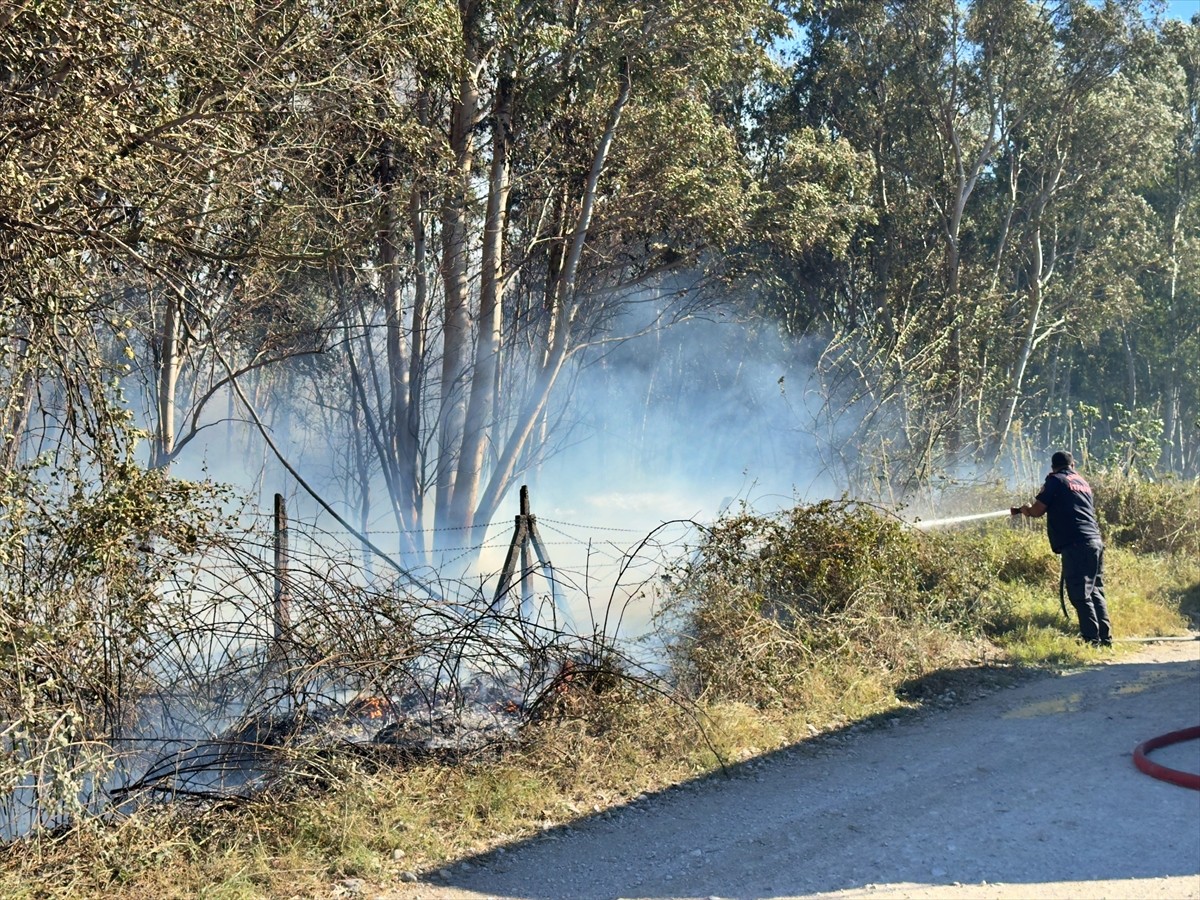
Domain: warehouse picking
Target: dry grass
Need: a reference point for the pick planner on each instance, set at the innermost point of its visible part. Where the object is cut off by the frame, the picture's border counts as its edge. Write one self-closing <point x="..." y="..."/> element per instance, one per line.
<point x="984" y="595"/>
<point x="376" y="823"/>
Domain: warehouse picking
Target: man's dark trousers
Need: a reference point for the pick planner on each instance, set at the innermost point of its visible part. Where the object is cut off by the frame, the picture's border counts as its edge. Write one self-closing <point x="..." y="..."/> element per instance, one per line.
<point x="1083" y="572"/>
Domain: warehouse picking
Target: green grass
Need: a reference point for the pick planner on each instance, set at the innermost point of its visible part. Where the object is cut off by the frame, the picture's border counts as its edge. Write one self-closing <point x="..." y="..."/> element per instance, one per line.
<point x="1147" y="596"/>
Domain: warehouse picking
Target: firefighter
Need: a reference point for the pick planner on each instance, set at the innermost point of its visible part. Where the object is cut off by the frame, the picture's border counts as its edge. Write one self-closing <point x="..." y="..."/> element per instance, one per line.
<point x="1074" y="532"/>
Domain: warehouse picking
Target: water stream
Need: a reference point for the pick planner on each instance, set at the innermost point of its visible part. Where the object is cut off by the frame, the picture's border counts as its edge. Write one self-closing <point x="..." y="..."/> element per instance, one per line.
<point x="955" y="520"/>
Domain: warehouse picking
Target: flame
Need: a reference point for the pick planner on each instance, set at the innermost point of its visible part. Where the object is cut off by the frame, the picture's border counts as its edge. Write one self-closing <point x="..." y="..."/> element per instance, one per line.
<point x="372" y="707"/>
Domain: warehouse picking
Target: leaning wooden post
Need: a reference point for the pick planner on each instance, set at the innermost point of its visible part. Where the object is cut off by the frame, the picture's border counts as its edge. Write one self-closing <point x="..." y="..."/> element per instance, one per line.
<point x="539" y="548"/>
<point x="281" y="614"/>
<point x="526" y="545"/>
<point x="516" y="550"/>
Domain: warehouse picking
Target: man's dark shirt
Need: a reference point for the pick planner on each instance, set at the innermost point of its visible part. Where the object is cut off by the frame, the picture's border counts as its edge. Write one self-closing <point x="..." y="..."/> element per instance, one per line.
<point x="1070" y="512"/>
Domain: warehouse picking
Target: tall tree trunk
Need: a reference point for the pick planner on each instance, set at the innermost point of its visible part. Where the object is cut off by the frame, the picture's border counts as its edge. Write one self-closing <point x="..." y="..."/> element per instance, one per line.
<point x="1130" y="367"/>
<point x="456" y="321"/>
<point x="1011" y="195"/>
<point x="563" y="311"/>
<point x="1051" y="393"/>
<point x="1034" y="301"/>
<point x="486" y="371"/>
<point x="1172" y="455"/>
<point x="168" y="379"/>
<point x="410" y="438"/>
<point x="967" y="177"/>
<point x="396" y="417"/>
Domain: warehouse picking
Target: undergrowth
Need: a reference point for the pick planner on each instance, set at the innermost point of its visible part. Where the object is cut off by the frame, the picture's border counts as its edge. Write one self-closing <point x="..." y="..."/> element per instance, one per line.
<point x="779" y="628"/>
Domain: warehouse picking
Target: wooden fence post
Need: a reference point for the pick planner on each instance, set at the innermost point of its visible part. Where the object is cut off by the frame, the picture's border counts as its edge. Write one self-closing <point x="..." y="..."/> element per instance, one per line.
<point x="525" y="545"/>
<point x="281" y="613"/>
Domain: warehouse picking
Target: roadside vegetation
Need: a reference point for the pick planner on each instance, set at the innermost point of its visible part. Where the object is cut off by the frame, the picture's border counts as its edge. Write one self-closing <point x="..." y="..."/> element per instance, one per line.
<point x="780" y="629"/>
<point x="390" y="258"/>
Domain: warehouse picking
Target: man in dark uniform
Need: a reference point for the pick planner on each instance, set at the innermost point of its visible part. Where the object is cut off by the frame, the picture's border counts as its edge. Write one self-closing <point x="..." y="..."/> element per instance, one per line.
<point x="1074" y="532"/>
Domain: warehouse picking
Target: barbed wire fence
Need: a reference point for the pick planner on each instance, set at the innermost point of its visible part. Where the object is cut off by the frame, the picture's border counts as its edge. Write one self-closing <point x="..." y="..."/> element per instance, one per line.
<point x="599" y="567"/>
<point x="255" y="666"/>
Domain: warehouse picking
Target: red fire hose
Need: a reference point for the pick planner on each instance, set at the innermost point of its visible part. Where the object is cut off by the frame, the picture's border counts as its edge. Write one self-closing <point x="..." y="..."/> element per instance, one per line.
<point x="1154" y="770"/>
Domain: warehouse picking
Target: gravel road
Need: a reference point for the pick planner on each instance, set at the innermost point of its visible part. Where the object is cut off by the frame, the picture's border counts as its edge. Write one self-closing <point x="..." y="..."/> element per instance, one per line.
<point x="1024" y="790"/>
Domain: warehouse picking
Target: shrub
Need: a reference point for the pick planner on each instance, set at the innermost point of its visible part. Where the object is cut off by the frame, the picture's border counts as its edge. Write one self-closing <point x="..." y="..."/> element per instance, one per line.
<point x="81" y="562"/>
<point x="767" y="598"/>
<point x="769" y="606"/>
<point x="1149" y="516"/>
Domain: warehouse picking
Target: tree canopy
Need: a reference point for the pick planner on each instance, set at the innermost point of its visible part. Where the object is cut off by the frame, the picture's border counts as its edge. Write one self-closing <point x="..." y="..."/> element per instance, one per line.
<point x="399" y="226"/>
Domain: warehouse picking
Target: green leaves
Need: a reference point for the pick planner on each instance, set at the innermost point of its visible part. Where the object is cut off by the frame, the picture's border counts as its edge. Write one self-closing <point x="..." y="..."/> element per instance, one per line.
<point x="814" y="196"/>
<point x="85" y="547"/>
<point x="1020" y="159"/>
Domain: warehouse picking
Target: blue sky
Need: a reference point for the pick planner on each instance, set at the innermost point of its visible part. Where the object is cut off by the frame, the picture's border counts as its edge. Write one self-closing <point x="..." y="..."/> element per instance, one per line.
<point x="1182" y="9"/>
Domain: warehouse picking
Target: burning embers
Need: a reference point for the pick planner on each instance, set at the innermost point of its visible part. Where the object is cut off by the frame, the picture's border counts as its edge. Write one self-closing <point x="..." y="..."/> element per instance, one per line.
<point x="280" y="743"/>
<point x="260" y="750"/>
<point x="372" y="708"/>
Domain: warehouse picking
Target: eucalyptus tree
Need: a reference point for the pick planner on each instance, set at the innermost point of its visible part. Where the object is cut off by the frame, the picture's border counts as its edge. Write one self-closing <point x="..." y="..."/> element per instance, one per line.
<point x="555" y="163"/>
<point x="920" y="88"/>
<point x="63" y="115"/>
<point x="1168" y="330"/>
<point x="247" y="107"/>
<point x="1132" y="377"/>
<point x="1098" y="126"/>
<point x="157" y="159"/>
<point x="87" y="536"/>
<point x="1010" y="145"/>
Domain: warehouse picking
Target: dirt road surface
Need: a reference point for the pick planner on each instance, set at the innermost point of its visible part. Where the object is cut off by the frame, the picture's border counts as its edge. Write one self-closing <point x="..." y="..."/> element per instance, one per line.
<point x="1025" y="791"/>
